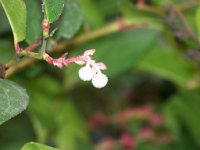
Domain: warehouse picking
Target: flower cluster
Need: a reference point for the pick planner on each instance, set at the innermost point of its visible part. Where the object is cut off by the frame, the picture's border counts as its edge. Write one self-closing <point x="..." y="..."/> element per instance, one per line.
<point x="149" y="128"/>
<point x="90" y="72"/>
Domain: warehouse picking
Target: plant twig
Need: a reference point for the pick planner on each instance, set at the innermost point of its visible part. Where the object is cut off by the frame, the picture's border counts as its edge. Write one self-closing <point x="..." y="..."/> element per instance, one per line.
<point x="187" y="5"/>
<point x="109" y="29"/>
<point x="185" y="24"/>
<point x="33" y="45"/>
<point x="180" y="7"/>
<point x="20" y="66"/>
<point x="45" y="28"/>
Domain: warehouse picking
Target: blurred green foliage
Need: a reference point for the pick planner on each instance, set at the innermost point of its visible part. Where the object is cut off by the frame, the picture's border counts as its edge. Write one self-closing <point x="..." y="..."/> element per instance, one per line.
<point x="153" y="61"/>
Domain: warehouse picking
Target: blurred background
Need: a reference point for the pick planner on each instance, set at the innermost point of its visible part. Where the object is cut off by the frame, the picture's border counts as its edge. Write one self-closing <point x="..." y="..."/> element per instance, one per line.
<point x="152" y="100"/>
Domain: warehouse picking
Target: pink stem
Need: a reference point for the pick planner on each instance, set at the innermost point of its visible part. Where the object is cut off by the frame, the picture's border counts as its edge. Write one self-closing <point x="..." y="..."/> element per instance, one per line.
<point x="17" y="48"/>
<point x="33" y="45"/>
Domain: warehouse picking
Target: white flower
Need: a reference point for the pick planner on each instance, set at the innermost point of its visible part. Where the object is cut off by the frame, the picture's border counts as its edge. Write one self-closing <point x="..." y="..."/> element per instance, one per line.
<point x="92" y="70"/>
<point x="99" y="80"/>
<point x="86" y="73"/>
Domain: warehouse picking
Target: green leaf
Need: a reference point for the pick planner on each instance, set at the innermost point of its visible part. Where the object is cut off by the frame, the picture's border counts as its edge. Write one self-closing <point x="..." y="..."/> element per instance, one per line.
<point x="14" y="100"/>
<point x="186" y="106"/>
<point x="46" y="85"/>
<point x="121" y="51"/>
<point x="5" y="51"/>
<point x="16" y="13"/>
<point x="36" y="146"/>
<point x="171" y="121"/>
<point x="164" y="60"/>
<point x="42" y="93"/>
<point x="198" y="20"/>
<point x="131" y="11"/>
<point x="72" y="19"/>
<point x="110" y="9"/>
<point x="42" y="118"/>
<point x="72" y="131"/>
<point x="92" y="14"/>
<point x="10" y="134"/>
<point x="53" y="9"/>
<point x="4" y="27"/>
<point x="34" y="20"/>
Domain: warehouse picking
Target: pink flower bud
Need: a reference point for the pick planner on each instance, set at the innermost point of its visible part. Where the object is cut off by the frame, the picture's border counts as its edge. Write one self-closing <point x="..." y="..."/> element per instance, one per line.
<point x="97" y="120"/>
<point x="106" y="144"/>
<point x="92" y="70"/>
<point x="89" y="52"/>
<point x="128" y="141"/>
<point x="45" y="24"/>
<point x="157" y="119"/>
<point x="101" y="66"/>
<point x="146" y="133"/>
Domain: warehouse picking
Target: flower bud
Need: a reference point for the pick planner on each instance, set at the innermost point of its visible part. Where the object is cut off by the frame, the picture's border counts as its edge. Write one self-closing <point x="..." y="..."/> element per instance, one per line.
<point x="86" y="73"/>
<point x="45" y="24"/>
<point x="99" y="80"/>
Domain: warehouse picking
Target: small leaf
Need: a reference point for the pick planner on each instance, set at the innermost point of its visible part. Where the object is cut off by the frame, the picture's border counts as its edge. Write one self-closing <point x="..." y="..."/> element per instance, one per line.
<point x="53" y="9"/>
<point x="16" y="13"/>
<point x="72" y="19"/>
<point x="36" y="146"/>
<point x="14" y="100"/>
<point x="34" y="20"/>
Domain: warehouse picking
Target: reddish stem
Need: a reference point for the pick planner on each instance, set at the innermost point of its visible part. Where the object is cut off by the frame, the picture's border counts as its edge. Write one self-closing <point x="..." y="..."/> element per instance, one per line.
<point x="75" y="59"/>
<point x="141" y="3"/>
<point x="17" y="48"/>
<point x="33" y="45"/>
<point x="45" y="24"/>
<point x="123" y="25"/>
<point x="63" y="61"/>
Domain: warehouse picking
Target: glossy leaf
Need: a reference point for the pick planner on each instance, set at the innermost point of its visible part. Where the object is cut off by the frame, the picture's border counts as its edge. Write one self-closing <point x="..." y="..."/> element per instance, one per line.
<point x="16" y="13"/>
<point x="71" y="20"/>
<point x="36" y="146"/>
<point x="14" y="100"/>
<point x="53" y="9"/>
